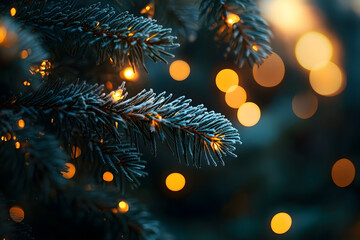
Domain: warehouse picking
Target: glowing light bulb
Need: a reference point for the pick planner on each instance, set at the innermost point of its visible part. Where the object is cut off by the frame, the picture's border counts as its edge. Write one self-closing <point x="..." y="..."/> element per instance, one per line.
<point x="108" y="176"/>
<point x="235" y="96"/>
<point x="249" y="114"/>
<point x="12" y="11"/>
<point x="281" y="223"/>
<point x="16" y="214"/>
<point x="123" y="207"/>
<point x="128" y="74"/>
<point x="175" y="182"/>
<point x="70" y="171"/>
<point x="343" y="172"/>
<point x="117" y="95"/>
<point x="225" y="79"/>
<point x="232" y="18"/>
<point x="313" y="50"/>
<point x="271" y="72"/>
<point x="327" y="81"/>
<point x="17" y="145"/>
<point x="26" y="83"/>
<point x="21" y="123"/>
<point x="24" y="54"/>
<point x="179" y="70"/>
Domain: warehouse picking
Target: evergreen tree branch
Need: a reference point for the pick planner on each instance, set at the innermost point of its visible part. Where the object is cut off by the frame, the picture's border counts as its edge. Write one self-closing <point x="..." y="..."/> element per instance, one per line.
<point x="121" y="37"/>
<point x="248" y="39"/>
<point x="193" y="130"/>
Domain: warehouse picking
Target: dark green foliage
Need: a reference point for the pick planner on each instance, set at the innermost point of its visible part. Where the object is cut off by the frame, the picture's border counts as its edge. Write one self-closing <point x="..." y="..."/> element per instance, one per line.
<point x="121" y="37"/>
<point x="251" y="30"/>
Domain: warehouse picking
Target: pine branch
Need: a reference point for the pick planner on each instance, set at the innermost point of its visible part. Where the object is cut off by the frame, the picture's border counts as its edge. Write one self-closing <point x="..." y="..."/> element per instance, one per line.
<point x="31" y="162"/>
<point x="248" y="39"/>
<point x="192" y="130"/>
<point x="120" y="37"/>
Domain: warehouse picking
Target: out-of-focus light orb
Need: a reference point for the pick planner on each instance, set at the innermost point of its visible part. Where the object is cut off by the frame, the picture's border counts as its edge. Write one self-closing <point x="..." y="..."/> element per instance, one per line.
<point x="281" y="223"/>
<point x="16" y="214"/>
<point x="179" y="70"/>
<point x="109" y="85"/>
<point x="70" y="171"/>
<point x="313" y="50"/>
<point x="175" y="182"/>
<point x="108" y="176"/>
<point x="123" y="207"/>
<point x="17" y="145"/>
<point x="24" y="54"/>
<point x="75" y="152"/>
<point x="12" y="11"/>
<point x="225" y="79"/>
<point x="249" y="114"/>
<point x="271" y="72"/>
<point x="343" y="172"/>
<point x="129" y="74"/>
<point x="3" y="32"/>
<point x="232" y="18"/>
<point x="304" y="105"/>
<point x="21" y="123"/>
<point x="291" y="17"/>
<point x="235" y="96"/>
<point x="327" y="81"/>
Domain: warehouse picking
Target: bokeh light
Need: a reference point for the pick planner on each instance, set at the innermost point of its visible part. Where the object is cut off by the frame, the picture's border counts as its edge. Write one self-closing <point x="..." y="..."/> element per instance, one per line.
<point x="232" y="18"/>
<point x="343" y="172"/>
<point x="235" y="96"/>
<point x="21" y="123"/>
<point x="179" y="70"/>
<point x="313" y="50"/>
<point x="24" y="54"/>
<point x="108" y="176"/>
<point x="281" y="223"/>
<point x="249" y="114"/>
<point x="3" y="32"/>
<point x="70" y="171"/>
<point x="271" y="72"/>
<point x="123" y="207"/>
<point x="16" y="214"/>
<point x="327" y="81"/>
<point x="12" y="11"/>
<point x="175" y="182"/>
<point x="75" y="152"/>
<point x="129" y="74"/>
<point x="304" y="105"/>
<point x="225" y="79"/>
<point x="17" y="145"/>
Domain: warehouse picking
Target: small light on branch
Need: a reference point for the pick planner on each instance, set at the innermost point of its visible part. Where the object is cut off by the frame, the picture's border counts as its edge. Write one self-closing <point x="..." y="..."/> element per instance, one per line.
<point x="12" y="11"/>
<point x="117" y="95"/>
<point x="232" y="18"/>
<point x="149" y="10"/>
<point x="123" y="207"/>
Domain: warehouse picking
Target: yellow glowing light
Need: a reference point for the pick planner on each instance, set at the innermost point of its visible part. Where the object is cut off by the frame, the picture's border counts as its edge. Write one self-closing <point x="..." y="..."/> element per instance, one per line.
<point x="235" y="96"/>
<point x="117" y="95"/>
<point x="343" y="172"/>
<point x="179" y="70"/>
<point x="24" y="54"/>
<point x="16" y="214"/>
<point x="7" y="137"/>
<point x="2" y="33"/>
<point x="327" y="81"/>
<point x="26" y="83"/>
<point x="12" y="11"/>
<point x="17" y="145"/>
<point x="255" y="47"/>
<point x="225" y="79"/>
<point x="43" y="69"/>
<point x="249" y="114"/>
<point x="70" y="171"/>
<point x="271" y="71"/>
<point x="304" y="105"/>
<point x="131" y="34"/>
<point x="52" y="120"/>
<point x="108" y="176"/>
<point x="175" y="182"/>
<point x="232" y="18"/>
<point x="313" y="50"/>
<point x="21" y="123"/>
<point x="123" y="207"/>
<point x="281" y="223"/>
<point x="109" y="85"/>
<point x="116" y="124"/>
<point x="148" y="9"/>
<point x="128" y="74"/>
<point x="75" y="152"/>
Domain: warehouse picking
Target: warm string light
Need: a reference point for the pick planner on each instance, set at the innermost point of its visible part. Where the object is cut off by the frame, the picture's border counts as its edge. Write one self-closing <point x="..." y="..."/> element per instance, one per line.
<point x="17" y="145"/>
<point x="108" y="176"/>
<point x="249" y="114"/>
<point x="281" y="223"/>
<point x="21" y="123"/>
<point x="16" y="214"/>
<point x="343" y="172"/>
<point x="70" y="171"/>
<point x="232" y="18"/>
<point x="129" y="74"/>
<point x="43" y="69"/>
<point x="117" y="95"/>
<point x="12" y="11"/>
<point x="26" y="83"/>
<point x="24" y="54"/>
<point x="175" y="182"/>
<point x="6" y="138"/>
<point x="271" y="72"/>
<point x="179" y="70"/>
<point x="235" y="96"/>
<point x="149" y="10"/>
<point x="123" y="207"/>
<point x="109" y="85"/>
<point x="225" y="79"/>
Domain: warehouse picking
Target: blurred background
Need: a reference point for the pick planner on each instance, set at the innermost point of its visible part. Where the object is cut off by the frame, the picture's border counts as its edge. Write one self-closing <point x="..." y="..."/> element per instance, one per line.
<point x="299" y="128"/>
